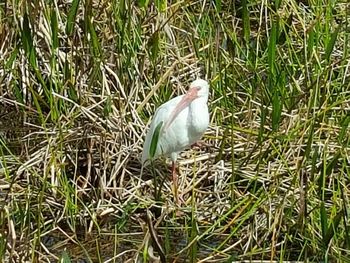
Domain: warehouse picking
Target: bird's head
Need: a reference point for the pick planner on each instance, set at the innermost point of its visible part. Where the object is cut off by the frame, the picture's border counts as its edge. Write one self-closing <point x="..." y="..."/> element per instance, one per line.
<point x="199" y="89"/>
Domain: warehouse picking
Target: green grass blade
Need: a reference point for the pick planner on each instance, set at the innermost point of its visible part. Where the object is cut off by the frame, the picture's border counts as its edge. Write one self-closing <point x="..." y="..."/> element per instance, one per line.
<point x="218" y="5"/>
<point x="143" y="3"/>
<point x="27" y="42"/>
<point x="310" y="41"/>
<point x="276" y="109"/>
<point x="65" y="258"/>
<point x="332" y="164"/>
<point x="54" y="29"/>
<point x="194" y="233"/>
<point x="309" y="141"/>
<point x="261" y="135"/>
<point x="161" y="5"/>
<point x="246" y="21"/>
<point x="94" y="39"/>
<point x="153" y="44"/>
<point x="332" y="228"/>
<point x="154" y="141"/>
<point x="10" y="61"/>
<point x="107" y="109"/>
<point x="272" y="49"/>
<point x="277" y="4"/>
<point x="324" y="220"/>
<point x="72" y="14"/>
<point x="331" y="43"/>
<point x="344" y="130"/>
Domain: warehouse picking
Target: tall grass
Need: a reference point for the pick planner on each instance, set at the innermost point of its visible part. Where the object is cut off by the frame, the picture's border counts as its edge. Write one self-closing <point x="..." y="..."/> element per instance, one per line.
<point x="79" y="82"/>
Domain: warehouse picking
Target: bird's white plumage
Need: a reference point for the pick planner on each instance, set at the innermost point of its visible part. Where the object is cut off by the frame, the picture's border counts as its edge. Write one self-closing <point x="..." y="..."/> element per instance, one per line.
<point x="182" y="128"/>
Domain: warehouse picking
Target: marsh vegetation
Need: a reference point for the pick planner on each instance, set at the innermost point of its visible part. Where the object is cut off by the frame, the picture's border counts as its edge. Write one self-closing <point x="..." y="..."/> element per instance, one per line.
<point x="79" y="82"/>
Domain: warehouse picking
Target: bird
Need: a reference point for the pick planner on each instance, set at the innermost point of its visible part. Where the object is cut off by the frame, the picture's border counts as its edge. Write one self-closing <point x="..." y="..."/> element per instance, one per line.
<point x="176" y="125"/>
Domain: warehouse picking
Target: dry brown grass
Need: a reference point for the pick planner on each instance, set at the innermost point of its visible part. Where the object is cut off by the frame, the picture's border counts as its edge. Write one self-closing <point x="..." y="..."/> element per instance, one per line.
<point x="73" y="118"/>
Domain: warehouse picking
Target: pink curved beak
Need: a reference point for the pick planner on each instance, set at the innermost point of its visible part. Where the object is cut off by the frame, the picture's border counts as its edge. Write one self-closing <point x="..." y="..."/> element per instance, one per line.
<point x="191" y="95"/>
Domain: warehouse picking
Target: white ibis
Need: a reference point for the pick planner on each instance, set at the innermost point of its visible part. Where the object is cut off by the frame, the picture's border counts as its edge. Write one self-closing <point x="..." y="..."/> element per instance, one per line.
<point x="178" y="124"/>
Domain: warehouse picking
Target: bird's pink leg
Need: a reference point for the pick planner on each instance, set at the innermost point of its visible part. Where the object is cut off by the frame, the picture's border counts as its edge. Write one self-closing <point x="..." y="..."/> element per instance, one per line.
<point x="173" y="172"/>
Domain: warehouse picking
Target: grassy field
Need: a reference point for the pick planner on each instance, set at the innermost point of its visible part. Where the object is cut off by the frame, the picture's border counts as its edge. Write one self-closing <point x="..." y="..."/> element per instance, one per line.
<point x="79" y="83"/>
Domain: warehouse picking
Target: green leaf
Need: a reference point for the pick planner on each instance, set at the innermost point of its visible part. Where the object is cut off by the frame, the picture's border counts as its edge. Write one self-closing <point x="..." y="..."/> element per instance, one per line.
<point x="322" y="182"/>
<point x="310" y="41"/>
<point x="72" y="93"/>
<point x="194" y="233"/>
<point x="332" y="229"/>
<point x="218" y="5"/>
<point x="331" y="43"/>
<point x="277" y="4"/>
<point x="54" y="29"/>
<point x="143" y="3"/>
<point x="262" y="123"/>
<point x="27" y="42"/>
<point x="246" y="21"/>
<point x="154" y="45"/>
<point x="161" y="5"/>
<point x="154" y="141"/>
<point x="72" y="16"/>
<point x="95" y="43"/>
<point x="107" y="109"/>
<point x="344" y="129"/>
<point x="324" y="221"/>
<point x="272" y="47"/>
<point x="18" y="93"/>
<point x="276" y="109"/>
<point x="65" y="258"/>
<point x="12" y="58"/>
<point x="309" y="141"/>
<point x="332" y="164"/>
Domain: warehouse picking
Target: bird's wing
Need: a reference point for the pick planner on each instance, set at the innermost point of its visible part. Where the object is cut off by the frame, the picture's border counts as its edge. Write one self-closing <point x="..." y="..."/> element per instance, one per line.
<point x="162" y="114"/>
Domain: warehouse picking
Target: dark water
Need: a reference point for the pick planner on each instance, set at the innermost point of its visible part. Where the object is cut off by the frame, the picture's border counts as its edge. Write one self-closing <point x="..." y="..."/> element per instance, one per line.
<point x="128" y="246"/>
